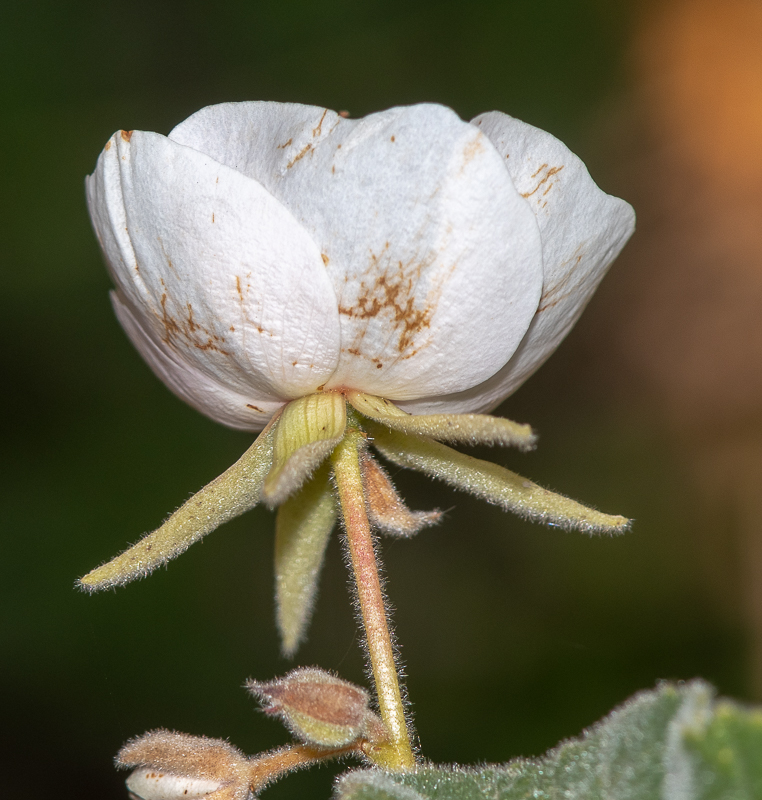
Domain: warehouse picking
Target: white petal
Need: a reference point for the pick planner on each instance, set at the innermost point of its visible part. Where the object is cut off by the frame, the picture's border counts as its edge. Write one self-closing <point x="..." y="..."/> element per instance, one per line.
<point x="583" y="230"/>
<point x="434" y="256"/>
<point x="217" y="275"/>
<point x="152" y="784"/>
<point x="207" y="395"/>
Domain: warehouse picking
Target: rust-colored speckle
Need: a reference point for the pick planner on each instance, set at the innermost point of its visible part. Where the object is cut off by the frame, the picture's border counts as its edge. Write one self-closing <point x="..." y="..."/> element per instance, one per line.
<point x="325" y="259"/>
<point x="108" y="145"/>
<point x="549" y="173"/>
<point x="294" y="363"/>
<point x="379" y="365"/>
<point x="285" y="144"/>
<point x="232" y="328"/>
<point x="254" y="408"/>
<point x="344" y="114"/>
<point x="166" y="256"/>
<point x="299" y="156"/>
<point x="391" y="294"/>
<point x="317" y="131"/>
<point x="126" y="135"/>
<point x="338" y="147"/>
<point x="238" y="287"/>
<point x="212" y="217"/>
<point x="473" y="148"/>
<point x="333" y="169"/>
<point x="188" y="330"/>
<point x="557" y="292"/>
<point x="192" y="327"/>
<point x="392" y="139"/>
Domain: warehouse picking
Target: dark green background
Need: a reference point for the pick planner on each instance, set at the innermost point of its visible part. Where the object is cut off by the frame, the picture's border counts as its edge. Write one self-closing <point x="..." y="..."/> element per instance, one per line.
<point x="513" y="635"/>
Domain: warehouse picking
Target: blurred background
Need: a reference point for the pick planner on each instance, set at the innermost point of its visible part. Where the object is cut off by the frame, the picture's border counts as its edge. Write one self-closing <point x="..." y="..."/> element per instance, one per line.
<point x="513" y="635"/>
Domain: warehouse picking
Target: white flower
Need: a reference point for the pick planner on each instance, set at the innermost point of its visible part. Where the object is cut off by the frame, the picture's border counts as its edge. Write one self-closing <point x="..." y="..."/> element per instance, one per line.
<point x="264" y="251"/>
<point x="348" y="282"/>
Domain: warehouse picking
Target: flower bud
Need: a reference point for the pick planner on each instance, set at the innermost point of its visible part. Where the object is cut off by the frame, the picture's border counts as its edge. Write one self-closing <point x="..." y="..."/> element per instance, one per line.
<point x="319" y="708"/>
<point x="177" y="766"/>
<point x="150" y="784"/>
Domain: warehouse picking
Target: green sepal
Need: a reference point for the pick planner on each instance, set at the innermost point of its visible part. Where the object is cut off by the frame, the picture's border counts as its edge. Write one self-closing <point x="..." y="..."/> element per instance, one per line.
<point x="235" y="491"/>
<point x="490" y="482"/>
<point x="308" y="430"/>
<point x="454" y="428"/>
<point x="302" y="528"/>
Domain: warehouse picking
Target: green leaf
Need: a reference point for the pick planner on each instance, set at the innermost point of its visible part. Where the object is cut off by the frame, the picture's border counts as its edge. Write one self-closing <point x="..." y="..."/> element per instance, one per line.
<point x="673" y="743"/>
<point x="726" y="753"/>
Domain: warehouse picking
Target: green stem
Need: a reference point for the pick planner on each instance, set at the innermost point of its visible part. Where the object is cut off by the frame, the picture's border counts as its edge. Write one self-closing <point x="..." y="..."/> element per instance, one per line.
<point x="397" y="755"/>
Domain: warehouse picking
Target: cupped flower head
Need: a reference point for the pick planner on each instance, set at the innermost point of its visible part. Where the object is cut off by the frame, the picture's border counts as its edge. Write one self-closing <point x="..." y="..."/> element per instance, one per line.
<point x="264" y="251"/>
<point x="340" y="283"/>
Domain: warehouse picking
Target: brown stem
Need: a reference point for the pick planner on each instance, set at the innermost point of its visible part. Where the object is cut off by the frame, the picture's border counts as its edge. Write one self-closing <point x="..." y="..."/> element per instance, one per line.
<point x="397" y="755"/>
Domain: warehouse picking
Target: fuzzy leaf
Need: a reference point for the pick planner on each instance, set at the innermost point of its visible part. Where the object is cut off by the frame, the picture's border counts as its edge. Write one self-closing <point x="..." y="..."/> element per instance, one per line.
<point x="490" y="482"/>
<point x="673" y="743"/>
<point x="302" y="528"/>
<point x="308" y="430"/>
<point x="464" y="428"/>
<point x="231" y="494"/>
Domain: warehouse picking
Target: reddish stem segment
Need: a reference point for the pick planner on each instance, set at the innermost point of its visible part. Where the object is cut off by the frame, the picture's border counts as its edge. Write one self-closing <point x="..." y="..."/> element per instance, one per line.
<point x="270" y="766"/>
<point x="397" y="755"/>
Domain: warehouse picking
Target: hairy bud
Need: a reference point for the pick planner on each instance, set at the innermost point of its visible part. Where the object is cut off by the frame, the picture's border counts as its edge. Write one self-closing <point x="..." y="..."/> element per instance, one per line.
<point x="177" y="766"/>
<point x="319" y="708"/>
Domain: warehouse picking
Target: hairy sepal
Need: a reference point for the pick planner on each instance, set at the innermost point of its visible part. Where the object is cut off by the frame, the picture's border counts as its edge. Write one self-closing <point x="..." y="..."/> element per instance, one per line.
<point x="308" y="430"/>
<point x="302" y="528"/>
<point x="387" y="511"/>
<point x="234" y="492"/>
<point x="491" y="482"/>
<point x="455" y="428"/>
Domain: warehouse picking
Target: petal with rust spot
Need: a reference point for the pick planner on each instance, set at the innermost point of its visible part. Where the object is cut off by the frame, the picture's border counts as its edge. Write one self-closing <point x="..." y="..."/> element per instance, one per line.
<point x="434" y="256"/>
<point x="188" y="382"/>
<point x="583" y="230"/>
<point x="244" y="300"/>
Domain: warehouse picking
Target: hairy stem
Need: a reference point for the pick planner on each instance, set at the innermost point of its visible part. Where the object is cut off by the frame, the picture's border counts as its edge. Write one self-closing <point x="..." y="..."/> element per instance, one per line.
<point x="397" y="755"/>
<point x="270" y="766"/>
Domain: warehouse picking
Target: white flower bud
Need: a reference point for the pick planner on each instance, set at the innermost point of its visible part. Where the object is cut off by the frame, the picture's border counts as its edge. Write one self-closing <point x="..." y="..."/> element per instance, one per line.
<point x="151" y="784"/>
<point x="265" y="251"/>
